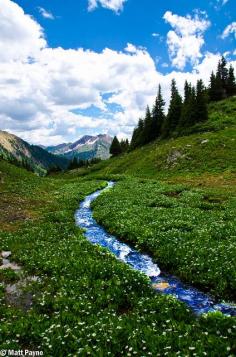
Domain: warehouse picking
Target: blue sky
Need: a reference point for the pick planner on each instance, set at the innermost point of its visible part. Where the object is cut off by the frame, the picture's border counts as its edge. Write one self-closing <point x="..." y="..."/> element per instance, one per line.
<point x="88" y="66"/>
<point x="74" y="26"/>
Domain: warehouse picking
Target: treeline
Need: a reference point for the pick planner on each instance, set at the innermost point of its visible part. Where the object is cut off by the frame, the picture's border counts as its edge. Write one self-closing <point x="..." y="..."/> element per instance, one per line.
<point x="222" y="83"/>
<point x="182" y="113"/>
<point x="76" y="163"/>
<point x="119" y="147"/>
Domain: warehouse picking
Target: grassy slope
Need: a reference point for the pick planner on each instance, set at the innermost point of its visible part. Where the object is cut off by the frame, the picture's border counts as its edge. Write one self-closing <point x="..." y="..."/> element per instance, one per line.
<point x="86" y="302"/>
<point x="203" y="157"/>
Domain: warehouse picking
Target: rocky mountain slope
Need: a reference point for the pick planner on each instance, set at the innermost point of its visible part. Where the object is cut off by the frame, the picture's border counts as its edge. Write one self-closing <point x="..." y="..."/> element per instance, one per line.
<point x="32" y="157"/>
<point x="86" y="148"/>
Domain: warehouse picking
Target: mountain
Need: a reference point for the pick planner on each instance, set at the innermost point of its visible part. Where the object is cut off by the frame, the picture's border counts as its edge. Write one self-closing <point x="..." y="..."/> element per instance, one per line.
<point x="57" y="149"/>
<point x="32" y="157"/>
<point x="86" y="148"/>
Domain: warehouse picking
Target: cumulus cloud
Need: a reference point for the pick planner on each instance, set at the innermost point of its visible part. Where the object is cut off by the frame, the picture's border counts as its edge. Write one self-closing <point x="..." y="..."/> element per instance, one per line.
<point x="114" y="5"/>
<point x="43" y="89"/>
<point x="20" y="36"/>
<point x="46" y="14"/>
<point x="186" y="40"/>
<point x="230" y="29"/>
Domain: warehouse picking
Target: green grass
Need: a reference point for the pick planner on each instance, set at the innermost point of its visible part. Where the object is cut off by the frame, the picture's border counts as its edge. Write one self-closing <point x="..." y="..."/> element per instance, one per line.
<point x="86" y="302"/>
<point x="174" y="199"/>
<point x="189" y="232"/>
<point x="206" y="154"/>
<point x="189" y="156"/>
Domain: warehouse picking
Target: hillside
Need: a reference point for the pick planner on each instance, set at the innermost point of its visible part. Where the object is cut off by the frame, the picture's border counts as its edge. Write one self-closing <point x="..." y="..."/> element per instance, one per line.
<point x="86" y="148"/>
<point x="33" y="157"/>
<point x="79" y="283"/>
<point x="208" y="149"/>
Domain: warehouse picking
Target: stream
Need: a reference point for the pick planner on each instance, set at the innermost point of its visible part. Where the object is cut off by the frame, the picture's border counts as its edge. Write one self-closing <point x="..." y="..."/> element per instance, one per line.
<point x="167" y="284"/>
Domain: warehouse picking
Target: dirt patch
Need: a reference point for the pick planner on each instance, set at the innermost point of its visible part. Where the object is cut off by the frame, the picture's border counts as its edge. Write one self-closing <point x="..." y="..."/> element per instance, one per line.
<point x="213" y="200"/>
<point x="20" y="294"/>
<point x="124" y="310"/>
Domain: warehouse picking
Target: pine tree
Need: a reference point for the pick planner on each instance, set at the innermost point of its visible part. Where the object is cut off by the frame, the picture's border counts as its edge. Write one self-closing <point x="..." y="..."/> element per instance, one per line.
<point x="115" y="148"/>
<point x="212" y="88"/>
<point x="147" y="129"/>
<point x="158" y="115"/>
<point x="81" y="163"/>
<point x="216" y="90"/>
<point x="73" y="164"/>
<point x="221" y="79"/>
<point x="201" y="112"/>
<point x="223" y="72"/>
<point x="188" y="113"/>
<point x="174" y="112"/>
<point x="124" y="144"/>
<point x="231" y="82"/>
<point x="137" y="137"/>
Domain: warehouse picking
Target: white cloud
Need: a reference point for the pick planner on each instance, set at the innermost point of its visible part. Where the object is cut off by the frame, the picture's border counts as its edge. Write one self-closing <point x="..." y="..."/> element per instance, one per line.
<point x="46" y="14"/>
<point x="20" y="36"/>
<point x="114" y="5"/>
<point x="230" y="29"/>
<point x="224" y="2"/>
<point x="38" y="97"/>
<point x="131" y="48"/>
<point x="157" y="35"/>
<point x="219" y="4"/>
<point x="186" y="40"/>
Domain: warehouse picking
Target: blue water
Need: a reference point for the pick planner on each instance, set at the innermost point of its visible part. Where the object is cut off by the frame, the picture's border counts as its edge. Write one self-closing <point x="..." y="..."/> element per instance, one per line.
<point x="199" y="302"/>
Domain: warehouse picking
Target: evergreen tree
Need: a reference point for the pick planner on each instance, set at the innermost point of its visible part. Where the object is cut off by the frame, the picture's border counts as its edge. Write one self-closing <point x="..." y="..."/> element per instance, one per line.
<point x="158" y="115"/>
<point x="81" y="163"/>
<point x="174" y="112"/>
<point x="53" y="169"/>
<point x="124" y="144"/>
<point x="188" y="113"/>
<point x="115" y="148"/>
<point x="218" y="82"/>
<point x="147" y="129"/>
<point x="187" y="91"/>
<point x="231" y="82"/>
<point x="216" y="90"/>
<point x="73" y="164"/>
<point x="201" y="112"/>
<point x="137" y="137"/>
<point x="223" y="73"/>
<point x="212" y="88"/>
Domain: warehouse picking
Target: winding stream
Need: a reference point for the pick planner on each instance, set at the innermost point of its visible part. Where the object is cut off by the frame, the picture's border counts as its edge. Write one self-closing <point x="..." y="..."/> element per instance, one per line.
<point x="199" y="302"/>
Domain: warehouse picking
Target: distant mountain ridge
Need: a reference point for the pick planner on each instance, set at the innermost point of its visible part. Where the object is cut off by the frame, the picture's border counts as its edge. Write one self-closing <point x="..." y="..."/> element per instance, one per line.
<point x="86" y="148"/>
<point x="32" y="157"/>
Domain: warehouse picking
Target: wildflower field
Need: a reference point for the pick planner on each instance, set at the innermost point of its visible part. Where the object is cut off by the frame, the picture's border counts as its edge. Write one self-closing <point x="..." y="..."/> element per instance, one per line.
<point x="83" y="301"/>
<point x="190" y="232"/>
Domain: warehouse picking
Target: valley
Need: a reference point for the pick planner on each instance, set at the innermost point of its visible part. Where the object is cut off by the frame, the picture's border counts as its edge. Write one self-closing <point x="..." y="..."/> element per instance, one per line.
<point x="118" y="178"/>
<point x="178" y="208"/>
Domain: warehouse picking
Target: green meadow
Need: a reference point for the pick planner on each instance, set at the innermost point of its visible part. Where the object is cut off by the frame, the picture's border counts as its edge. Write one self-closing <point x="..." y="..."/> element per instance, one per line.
<point x="173" y="199"/>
